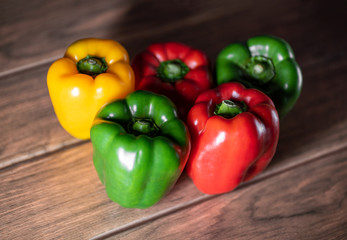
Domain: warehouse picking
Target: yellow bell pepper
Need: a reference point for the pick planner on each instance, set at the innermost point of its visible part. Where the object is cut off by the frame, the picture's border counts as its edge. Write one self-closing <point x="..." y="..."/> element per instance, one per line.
<point x="92" y="73"/>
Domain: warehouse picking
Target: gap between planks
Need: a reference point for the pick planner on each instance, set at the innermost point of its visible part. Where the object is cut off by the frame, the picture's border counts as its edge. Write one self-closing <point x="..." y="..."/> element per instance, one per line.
<point x="41" y="153"/>
<point x="264" y="176"/>
<point x="29" y="66"/>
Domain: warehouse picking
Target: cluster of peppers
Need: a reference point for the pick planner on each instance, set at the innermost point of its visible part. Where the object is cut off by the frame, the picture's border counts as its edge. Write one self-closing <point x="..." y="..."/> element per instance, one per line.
<point x="150" y="120"/>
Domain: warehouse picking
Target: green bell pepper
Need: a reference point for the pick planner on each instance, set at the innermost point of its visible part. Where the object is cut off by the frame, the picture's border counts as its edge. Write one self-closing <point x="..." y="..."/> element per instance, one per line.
<point x="266" y="63"/>
<point x="140" y="148"/>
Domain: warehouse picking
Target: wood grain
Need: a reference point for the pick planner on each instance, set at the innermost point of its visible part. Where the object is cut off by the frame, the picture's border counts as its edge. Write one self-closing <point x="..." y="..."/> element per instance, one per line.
<point x="28" y="124"/>
<point x="37" y="32"/>
<point x="307" y="202"/>
<point x="60" y="197"/>
<point x="54" y="25"/>
<point x="318" y="122"/>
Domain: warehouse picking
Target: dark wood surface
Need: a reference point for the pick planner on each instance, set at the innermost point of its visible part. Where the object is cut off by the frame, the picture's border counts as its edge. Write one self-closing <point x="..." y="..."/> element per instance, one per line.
<point x="48" y="186"/>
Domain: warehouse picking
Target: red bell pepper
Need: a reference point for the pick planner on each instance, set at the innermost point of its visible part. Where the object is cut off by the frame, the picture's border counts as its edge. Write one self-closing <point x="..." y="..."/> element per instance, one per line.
<point x="234" y="136"/>
<point x="175" y="70"/>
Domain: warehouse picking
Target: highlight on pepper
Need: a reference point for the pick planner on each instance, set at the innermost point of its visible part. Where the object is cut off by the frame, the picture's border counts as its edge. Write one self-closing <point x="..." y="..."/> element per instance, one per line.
<point x="92" y="73"/>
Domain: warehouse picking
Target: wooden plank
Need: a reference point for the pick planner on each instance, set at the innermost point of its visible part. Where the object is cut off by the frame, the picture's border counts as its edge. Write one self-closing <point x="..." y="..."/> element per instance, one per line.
<point x="60" y="197"/>
<point x="28" y="124"/>
<point x="54" y="25"/>
<point x="318" y="122"/>
<point x="32" y="35"/>
<point x="307" y="202"/>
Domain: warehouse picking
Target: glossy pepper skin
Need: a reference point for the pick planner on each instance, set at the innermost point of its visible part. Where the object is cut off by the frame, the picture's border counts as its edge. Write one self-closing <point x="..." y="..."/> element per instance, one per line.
<point x="234" y="136"/>
<point x="266" y="63"/>
<point x="91" y="73"/>
<point x="174" y="70"/>
<point x="140" y="148"/>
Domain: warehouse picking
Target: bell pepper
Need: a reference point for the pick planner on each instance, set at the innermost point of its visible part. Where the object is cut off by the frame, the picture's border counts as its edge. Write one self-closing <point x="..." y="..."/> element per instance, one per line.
<point x="174" y="70"/>
<point x="234" y="136"/>
<point x="91" y="73"/>
<point x="140" y="148"/>
<point x="266" y="63"/>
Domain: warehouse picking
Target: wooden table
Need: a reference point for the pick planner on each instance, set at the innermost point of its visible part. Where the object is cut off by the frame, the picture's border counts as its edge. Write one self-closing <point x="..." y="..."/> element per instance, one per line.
<point x="48" y="186"/>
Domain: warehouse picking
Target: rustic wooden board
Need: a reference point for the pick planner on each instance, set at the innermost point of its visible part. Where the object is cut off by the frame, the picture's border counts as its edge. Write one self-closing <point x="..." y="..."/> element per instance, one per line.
<point x="48" y="186"/>
<point x="307" y="202"/>
<point x="37" y="32"/>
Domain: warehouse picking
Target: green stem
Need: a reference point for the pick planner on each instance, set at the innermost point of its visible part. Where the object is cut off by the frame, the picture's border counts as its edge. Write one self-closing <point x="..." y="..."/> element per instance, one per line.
<point x="92" y="65"/>
<point x="143" y="126"/>
<point x="260" y="69"/>
<point x="172" y="70"/>
<point x="229" y="108"/>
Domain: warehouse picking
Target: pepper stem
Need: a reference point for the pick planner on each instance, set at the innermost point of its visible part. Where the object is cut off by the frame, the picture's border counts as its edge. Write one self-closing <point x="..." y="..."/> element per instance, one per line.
<point x="229" y="109"/>
<point x="260" y="69"/>
<point x="143" y="126"/>
<point x="92" y="66"/>
<point x="172" y="70"/>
